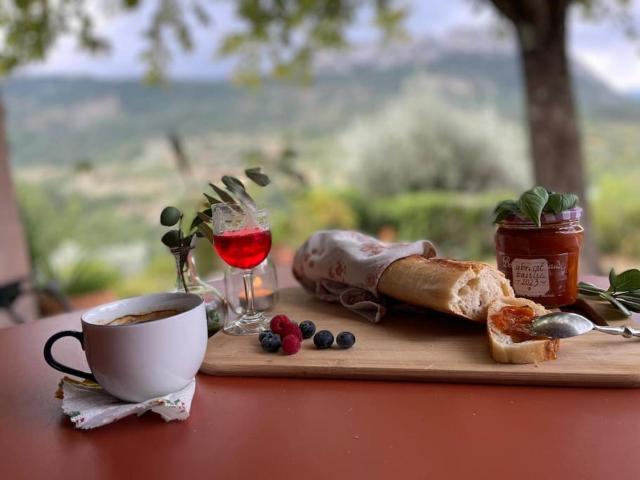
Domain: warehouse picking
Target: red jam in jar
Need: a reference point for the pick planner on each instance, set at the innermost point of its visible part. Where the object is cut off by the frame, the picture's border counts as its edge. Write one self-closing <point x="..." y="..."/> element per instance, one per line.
<point x="542" y="262"/>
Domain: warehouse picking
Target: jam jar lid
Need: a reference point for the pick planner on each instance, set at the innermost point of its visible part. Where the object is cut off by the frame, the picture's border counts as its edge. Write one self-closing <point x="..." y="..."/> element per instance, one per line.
<point x="571" y="215"/>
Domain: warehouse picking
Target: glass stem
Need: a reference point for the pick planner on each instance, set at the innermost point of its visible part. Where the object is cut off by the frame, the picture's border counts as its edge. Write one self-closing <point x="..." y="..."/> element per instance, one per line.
<point x="248" y="291"/>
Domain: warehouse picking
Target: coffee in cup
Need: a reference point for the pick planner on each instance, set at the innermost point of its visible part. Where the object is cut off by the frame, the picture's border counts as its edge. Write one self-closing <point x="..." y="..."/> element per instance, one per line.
<point x="132" y="319"/>
<point x="155" y="348"/>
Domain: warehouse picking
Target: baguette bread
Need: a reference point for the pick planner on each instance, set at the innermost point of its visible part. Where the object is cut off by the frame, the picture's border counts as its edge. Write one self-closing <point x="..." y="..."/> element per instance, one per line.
<point x="449" y="286"/>
<point x="508" y="349"/>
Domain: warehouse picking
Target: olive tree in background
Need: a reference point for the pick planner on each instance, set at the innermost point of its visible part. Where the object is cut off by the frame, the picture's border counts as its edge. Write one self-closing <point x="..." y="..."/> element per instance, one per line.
<point x="554" y="134"/>
<point x="434" y="145"/>
<point x="284" y="35"/>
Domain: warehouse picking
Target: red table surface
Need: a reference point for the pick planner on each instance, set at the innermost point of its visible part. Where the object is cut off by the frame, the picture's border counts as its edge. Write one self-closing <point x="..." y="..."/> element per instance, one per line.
<point x="290" y="428"/>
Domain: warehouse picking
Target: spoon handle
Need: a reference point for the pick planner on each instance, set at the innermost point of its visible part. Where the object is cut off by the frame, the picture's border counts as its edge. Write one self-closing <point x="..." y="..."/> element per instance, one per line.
<point x="626" y="332"/>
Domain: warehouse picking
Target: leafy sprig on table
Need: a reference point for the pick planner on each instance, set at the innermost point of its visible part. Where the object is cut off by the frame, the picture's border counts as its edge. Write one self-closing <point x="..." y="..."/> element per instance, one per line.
<point x="623" y="292"/>
<point x="175" y="238"/>
<point x="533" y="203"/>
<point x="232" y="192"/>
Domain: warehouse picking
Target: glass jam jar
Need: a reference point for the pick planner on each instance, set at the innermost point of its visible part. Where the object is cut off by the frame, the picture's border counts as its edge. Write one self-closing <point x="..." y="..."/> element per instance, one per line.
<point x="542" y="262"/>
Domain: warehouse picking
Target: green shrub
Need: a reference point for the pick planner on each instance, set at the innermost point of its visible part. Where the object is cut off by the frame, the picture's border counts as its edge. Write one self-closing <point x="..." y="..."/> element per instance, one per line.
<point x="51" y="217"/>
<point x="418" y="142"/>
<point x="88" y="276"/>
<point x="616" y="214"/>
<point x="460" y="225"/>
<point x="313" y="210"/>
<point x="158" y="276"/>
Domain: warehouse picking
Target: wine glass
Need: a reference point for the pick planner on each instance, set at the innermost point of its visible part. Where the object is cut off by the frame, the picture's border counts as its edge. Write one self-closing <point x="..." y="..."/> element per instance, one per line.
<point x="242" y="238"/>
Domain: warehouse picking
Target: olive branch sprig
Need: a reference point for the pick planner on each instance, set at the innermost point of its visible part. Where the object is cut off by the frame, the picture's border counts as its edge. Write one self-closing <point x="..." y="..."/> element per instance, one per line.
<point x="232" y="192"/>
<point x="623" y="292"/>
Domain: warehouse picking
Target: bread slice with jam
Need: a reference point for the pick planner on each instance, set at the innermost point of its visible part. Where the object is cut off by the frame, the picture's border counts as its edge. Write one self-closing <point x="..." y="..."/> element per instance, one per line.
<point x="510" y="338"/>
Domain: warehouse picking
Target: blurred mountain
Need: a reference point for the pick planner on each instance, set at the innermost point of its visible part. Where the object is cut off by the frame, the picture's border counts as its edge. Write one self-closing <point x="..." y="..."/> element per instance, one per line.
<point x="72" y="120"/>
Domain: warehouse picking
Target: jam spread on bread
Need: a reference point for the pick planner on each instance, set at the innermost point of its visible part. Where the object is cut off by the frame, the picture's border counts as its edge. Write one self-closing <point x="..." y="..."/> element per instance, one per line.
<point x="515" y="322"/>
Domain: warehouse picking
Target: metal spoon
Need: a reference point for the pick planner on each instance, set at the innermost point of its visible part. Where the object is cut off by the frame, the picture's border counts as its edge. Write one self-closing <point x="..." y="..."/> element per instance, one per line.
<point x="565" y="324"/>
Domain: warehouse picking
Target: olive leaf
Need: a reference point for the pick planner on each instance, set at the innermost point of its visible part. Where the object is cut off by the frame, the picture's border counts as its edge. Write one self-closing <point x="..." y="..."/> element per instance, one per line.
<point x="588" y="289"/>
<point x="632" y="302"/>
<point x="210" y="199"/>
<point x="232" y="183"/>
<point x="256" y="175"/>
<point x="236" y="187"/>
<point x="224" y="196"/>
<point x="198" y="219"/>
<point x="206" y="231"/>
<point x="234" y="194"/>
<point x="204" y="217"/>
<point x="532" y="202"/>
<point x="170" y="216"/>
<point x="617" y="303"/>
<point x="195" y="222"/>
<point x="623" y="292"/>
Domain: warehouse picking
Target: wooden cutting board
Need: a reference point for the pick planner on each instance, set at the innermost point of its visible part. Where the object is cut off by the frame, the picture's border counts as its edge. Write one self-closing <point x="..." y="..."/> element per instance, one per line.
<point x="420" y="347"/>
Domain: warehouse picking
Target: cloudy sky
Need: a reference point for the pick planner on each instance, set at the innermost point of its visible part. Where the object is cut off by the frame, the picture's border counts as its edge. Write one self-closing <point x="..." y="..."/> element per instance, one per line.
<point x="601" y="46"/>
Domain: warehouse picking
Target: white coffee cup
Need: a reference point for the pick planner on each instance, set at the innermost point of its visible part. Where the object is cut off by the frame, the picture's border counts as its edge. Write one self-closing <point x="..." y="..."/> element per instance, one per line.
<point x="137" y="362"/>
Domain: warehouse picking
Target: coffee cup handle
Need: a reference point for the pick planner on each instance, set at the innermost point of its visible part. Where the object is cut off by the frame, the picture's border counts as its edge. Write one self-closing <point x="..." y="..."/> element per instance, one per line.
<point x="48" y="357"/>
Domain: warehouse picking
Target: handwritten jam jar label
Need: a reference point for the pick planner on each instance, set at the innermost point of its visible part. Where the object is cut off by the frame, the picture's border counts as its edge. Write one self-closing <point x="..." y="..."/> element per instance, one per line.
<point x="533" y="277"/>
<point x="530" y="276"/>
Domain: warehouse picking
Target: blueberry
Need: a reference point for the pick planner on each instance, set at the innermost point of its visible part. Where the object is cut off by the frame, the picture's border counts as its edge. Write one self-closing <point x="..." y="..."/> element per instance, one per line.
<point x="308" y="328"/>
<point x="264" y="334"/>
<point x="323" y="339"/>
<point x="345" y="339"/>
<point x="271" y="342"/>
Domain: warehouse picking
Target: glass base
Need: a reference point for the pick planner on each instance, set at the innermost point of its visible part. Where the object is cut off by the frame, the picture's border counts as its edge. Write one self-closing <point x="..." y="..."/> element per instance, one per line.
<point x="247" y="325"/>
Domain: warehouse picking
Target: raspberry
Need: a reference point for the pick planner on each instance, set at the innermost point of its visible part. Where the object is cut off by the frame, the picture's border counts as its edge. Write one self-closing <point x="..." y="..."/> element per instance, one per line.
<point x="278" y="322"/>
<point x="291" y="329"/>
<point x="290" y="344"/>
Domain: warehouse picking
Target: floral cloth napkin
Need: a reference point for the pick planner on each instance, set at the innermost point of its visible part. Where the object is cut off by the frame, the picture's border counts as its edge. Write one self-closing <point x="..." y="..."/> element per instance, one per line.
<point x="89" y="406"/>
<point x="345" y="266"/>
